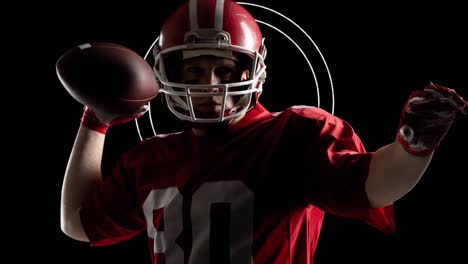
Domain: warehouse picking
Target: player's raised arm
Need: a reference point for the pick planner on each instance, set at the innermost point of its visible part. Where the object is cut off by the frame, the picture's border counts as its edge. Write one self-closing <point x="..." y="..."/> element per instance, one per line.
<point x="425" y="120"/>
<point x="114" y="83"/>
<point x="83" y="170"/>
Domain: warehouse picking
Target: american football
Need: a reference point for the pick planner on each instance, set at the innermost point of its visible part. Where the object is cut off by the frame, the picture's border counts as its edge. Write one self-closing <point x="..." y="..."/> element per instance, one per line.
<point x="107" y="77"/>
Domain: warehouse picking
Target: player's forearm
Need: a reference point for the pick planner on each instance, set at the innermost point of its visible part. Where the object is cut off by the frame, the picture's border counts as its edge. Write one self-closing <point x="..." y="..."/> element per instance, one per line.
<point x="82" y="172"/>
<point x="393" y="172"/>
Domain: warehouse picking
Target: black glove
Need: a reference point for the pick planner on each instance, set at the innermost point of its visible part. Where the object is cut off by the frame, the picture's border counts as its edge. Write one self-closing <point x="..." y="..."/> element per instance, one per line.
<point x="427" y="117"/>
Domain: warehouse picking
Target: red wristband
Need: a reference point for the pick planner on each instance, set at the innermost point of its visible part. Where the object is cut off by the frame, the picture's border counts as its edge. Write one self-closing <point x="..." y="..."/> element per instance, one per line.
<point x="90" y="121"/>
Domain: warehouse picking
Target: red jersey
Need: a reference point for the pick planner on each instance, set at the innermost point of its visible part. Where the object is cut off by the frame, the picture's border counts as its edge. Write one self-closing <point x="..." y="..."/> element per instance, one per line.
<point x="256" y="196"/>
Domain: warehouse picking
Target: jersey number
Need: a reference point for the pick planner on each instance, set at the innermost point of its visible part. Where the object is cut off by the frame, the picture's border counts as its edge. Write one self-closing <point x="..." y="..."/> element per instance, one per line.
<point x="235" y="194"/>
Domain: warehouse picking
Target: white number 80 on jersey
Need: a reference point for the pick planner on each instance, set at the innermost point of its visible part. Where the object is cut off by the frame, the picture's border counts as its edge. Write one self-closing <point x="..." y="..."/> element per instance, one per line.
<point x="235" y="193"/>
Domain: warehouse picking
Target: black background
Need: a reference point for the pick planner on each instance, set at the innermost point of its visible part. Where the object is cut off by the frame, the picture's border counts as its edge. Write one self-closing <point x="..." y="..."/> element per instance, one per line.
<point x="377" y="54"/>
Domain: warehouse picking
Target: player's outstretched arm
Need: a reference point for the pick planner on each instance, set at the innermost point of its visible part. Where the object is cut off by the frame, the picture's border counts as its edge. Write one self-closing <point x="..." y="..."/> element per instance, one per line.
<point x="84" y="167"/>
<point x="425" y="120"/>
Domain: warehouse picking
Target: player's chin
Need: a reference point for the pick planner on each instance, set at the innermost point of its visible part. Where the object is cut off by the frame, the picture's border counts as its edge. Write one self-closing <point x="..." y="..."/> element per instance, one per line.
<point x="209" y="110"/>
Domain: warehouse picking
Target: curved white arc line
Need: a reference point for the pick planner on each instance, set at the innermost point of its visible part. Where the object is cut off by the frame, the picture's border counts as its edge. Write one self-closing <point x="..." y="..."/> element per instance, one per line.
<point x="303" y="54"/>
<point x="311" y="40"/>
<point x="149" y="103"/>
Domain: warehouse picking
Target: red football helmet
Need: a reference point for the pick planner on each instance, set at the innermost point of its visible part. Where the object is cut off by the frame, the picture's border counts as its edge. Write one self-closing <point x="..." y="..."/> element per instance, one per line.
<point x="210" y="27"/>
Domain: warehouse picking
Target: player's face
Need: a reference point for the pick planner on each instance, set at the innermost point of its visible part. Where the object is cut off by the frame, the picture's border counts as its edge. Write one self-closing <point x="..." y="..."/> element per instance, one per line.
<point x="211" y="70"/>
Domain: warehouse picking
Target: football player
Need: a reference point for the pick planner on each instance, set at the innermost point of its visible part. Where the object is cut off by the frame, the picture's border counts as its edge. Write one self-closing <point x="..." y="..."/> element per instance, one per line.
<point x="241" y="184"/>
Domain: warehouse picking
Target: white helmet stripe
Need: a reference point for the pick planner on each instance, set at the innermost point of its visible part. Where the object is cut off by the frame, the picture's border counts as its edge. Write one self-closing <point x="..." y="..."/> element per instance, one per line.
<point x="219" y="14"/>
<point x="193" y="15"/>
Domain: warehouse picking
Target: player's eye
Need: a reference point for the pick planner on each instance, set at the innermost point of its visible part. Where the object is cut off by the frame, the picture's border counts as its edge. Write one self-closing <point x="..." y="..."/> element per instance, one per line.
<point x="192" y="75"/>
<point x="194" y="70"/>
<point x="224" y="71"/>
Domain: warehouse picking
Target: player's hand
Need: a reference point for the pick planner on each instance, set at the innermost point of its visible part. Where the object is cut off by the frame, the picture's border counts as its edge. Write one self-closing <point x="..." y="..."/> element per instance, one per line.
<point x="427" y="117"/>
<point x="100" y="121"/>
